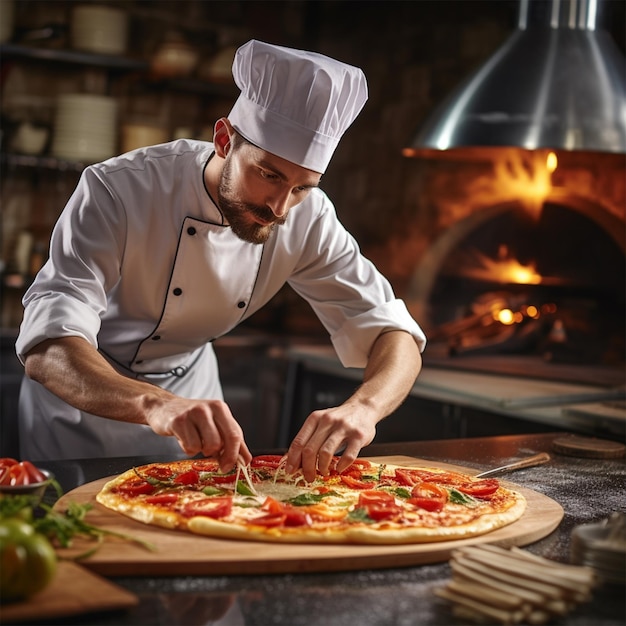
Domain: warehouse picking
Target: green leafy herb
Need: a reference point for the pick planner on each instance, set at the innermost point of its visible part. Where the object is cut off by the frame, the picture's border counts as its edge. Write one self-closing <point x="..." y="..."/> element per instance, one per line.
<point x="212" y="491"/>
<point x="402" y="492"/>
<point x="247" y="504"/>
<point x="243" y="489"/>
<point x="64" y="527"/>
<point x="61" y="528"/>
<point x="359" y="515"/>
<point x="457" y="497"/>
<point x="18" y="506"/>
<point x="304" y="499"/>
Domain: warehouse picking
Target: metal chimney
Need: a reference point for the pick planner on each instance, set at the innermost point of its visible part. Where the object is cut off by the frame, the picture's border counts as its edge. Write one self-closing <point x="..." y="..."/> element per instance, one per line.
<point x="557" y="84"/>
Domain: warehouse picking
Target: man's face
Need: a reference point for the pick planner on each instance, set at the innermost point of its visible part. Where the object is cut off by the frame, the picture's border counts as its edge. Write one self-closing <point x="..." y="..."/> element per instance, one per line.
<point x="257" y="190"/>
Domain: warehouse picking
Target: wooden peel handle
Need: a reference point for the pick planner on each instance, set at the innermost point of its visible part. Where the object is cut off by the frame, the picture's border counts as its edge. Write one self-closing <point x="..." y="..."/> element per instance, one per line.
<point x="531" y="461"/>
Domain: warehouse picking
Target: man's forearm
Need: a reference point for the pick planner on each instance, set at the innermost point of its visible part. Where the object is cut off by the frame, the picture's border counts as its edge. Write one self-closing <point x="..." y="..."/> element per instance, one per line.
<point x="394" y="364"/>
<point x="72" y="369"/>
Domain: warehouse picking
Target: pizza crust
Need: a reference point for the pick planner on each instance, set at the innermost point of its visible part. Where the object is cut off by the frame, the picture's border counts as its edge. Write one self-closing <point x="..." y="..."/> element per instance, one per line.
<point x="379" y="533"/>
<point x="372" y="535"/>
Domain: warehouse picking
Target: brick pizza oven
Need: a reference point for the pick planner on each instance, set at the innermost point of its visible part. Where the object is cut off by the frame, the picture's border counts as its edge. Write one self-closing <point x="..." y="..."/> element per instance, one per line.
<point x="525" y="254"/>
<point x="519" y="247"/>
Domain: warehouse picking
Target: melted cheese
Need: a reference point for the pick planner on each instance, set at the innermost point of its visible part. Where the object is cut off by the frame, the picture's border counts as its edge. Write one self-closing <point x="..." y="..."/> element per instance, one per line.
<point x="244" y="469"/>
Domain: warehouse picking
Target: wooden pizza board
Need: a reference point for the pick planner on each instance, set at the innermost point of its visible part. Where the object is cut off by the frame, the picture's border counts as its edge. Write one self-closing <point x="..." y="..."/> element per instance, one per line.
<point x="73" y="591"/>
<point x="181" y="553"/>
<point x="588" y="447"/>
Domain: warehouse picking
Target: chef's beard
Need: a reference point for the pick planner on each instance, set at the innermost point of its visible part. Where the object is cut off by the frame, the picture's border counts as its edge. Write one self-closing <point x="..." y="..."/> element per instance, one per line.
<point x="238" y="213"/>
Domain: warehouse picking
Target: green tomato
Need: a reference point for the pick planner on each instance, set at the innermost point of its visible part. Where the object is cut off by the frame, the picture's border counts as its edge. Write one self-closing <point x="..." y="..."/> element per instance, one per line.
<point x="27" y="560"/>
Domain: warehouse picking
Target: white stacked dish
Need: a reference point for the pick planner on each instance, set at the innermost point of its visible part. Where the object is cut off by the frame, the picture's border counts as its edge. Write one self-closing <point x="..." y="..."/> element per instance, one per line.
<point x="602" y="546"/>
<point x="99" y="29"/>
<point x="85" y="128"/>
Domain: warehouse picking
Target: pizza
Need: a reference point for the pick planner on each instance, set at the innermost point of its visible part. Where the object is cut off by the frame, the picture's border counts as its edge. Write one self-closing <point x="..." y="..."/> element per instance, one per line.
<point x="369" y="503"/>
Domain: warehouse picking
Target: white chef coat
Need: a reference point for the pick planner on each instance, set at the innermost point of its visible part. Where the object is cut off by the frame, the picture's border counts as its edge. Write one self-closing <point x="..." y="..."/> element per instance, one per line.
<point x="144" y="267"/>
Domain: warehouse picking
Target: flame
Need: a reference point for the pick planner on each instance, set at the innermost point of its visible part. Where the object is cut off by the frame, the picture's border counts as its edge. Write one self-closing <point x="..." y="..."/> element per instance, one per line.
<point x="528" y="175"/>
<point x="551" y="162"/>
<point x="532" y="311"/>
<point x="507" y="316"/>
<point x="524" y="176"/>
<point x="504" y="269"/>
<point x="504" y="316"/>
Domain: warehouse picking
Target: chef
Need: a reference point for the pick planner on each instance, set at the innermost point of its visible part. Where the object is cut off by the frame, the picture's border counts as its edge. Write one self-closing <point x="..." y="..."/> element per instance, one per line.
<point x="164" y="249"/>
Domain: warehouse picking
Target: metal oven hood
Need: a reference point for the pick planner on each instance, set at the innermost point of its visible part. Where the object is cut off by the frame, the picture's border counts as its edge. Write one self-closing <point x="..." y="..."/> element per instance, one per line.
<point x="558" y="82"/>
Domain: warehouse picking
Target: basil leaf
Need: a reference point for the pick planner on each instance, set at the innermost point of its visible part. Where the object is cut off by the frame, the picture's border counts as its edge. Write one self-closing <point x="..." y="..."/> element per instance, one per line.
<point x="359" y="515"/>
<point x="243" y="489"/>
<point x="457" y="497"/>
<point x="402" y="492"/>
<point x="304" y="499"/>
<point x="249" y="504"/>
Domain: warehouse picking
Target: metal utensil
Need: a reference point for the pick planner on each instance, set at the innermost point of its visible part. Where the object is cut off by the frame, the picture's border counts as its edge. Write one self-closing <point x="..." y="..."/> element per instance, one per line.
<point x="531" y="461"/>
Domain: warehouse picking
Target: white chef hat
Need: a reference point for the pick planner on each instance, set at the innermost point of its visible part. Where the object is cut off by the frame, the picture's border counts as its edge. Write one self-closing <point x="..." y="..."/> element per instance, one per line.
<point x="293" y="103"/>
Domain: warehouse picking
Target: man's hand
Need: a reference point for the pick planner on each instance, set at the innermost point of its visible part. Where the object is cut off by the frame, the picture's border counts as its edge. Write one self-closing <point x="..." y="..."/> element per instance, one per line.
<point x="325" y="432"/>
<point x="201" y="426"/>
<point x="76" y="372"/>
<point x="392" y="368"/>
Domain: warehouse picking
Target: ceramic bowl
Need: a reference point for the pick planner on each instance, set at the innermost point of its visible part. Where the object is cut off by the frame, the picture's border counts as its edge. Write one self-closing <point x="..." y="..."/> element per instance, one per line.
<point x="36" y="490"/>
<point x="174" y="59"/>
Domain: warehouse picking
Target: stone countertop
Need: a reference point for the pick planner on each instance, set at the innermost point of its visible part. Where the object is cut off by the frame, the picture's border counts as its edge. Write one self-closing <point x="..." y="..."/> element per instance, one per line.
<point x="588" y="489"/>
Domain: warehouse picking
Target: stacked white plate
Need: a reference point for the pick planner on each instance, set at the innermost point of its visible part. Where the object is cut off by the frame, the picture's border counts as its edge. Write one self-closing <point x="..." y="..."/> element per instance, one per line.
<point x="85" y="128"/>
<point x="99" y="29"/>
<point x="602" y="546"/>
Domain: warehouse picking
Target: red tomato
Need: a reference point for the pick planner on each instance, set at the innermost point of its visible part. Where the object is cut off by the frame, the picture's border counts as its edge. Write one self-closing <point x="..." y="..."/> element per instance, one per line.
<point x="404" y="477"/>
<point x="410" y="477"/>
<point x="160" y="472"/>
<point x="272" y="506"/>
<point x="223" y="479"/>
<point x="376" y="497"/>
<point x="162" y="498"/>
<point x="295" y="517"/>
<point x="35" y="475"/>
<point x="135" y="487"/>
<point x="205" y="465"/>
<point x="271" y="520"/>
<point x="379" y="504"/>
<point x="362" y="463"/>
<point x="214" y="507"/>
<point x="355" y="483"/>
<point x="481" y="488"/>
<point x="428" y="496"/>
<point x="266" y="460"/>
<point x="190" y="477"/>
<point x="355" y="470"/>
<point x="381" y="512"/>
<point x="15" y="473"/>
<point x="292" y="515"/>
<point x="18" y="475"/>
